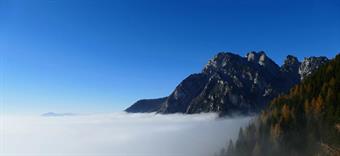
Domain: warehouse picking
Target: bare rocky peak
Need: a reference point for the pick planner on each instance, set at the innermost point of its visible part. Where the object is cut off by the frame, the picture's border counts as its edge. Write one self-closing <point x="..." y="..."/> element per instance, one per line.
<point x="230" y="83"/>
<point x="222" y="61"/>
<point x="292" y="61"/>
<point x="291" y="64"/>
<point x="257" y="57"/>
<point x="228" y="60"/>
<point x="310" y="64"/>
<point x="290" y="68"/>
<point x="261" y="58"/>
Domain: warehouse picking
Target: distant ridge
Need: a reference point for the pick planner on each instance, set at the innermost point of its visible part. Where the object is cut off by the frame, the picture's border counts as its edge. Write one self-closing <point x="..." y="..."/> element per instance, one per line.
<point x="52" y="114"/>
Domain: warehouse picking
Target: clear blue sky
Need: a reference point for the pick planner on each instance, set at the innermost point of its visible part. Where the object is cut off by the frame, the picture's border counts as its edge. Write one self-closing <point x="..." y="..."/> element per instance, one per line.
<point x="102" y="55"/>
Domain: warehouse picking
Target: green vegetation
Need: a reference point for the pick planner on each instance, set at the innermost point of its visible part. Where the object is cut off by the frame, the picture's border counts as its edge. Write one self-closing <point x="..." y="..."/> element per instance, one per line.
<point x="305" y="121"/>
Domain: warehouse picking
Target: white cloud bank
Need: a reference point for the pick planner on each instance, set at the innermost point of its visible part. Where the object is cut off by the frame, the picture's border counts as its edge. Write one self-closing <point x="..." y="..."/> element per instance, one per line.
<point x="117" y="134"/>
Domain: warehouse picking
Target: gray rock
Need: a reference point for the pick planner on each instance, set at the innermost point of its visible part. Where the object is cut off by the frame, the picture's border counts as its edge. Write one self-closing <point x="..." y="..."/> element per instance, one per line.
<point x="310" y="64"/>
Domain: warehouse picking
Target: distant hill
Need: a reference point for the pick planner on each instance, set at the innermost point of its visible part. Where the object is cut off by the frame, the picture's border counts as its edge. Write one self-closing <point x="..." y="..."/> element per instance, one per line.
<point x="230" y="84"/>
<point x="303" y="122"/>
<point x="52" y="114"/>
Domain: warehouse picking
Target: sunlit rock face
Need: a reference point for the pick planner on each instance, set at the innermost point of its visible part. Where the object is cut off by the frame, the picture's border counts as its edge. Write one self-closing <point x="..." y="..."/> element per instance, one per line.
<point x="232" y="84"/>
<point x="310" y="64"/>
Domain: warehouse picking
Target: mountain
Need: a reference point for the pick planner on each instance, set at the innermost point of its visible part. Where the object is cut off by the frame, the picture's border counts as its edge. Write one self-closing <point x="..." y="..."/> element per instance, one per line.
<point x="305" y="121"/>
<point x="146" y="105"/>
<point x="231" y="84"/>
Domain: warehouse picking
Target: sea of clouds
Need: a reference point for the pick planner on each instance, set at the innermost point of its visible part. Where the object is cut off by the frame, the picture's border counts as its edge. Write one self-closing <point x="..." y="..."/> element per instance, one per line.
<point x="117" y="134"/>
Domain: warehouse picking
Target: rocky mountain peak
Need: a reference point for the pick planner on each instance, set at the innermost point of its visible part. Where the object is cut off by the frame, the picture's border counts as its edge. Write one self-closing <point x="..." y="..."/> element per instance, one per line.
<point x="292" y="61"/>
<point x="221" y="61"/>
<point x="310" y="64"/>
<point x="291" y="68"/>
<point x="230" y="83"/>
<point x="261" y="58"/>
<point x="256" y="57"/>
<point x="222" y="57"/>
<point x="291" y="64"/>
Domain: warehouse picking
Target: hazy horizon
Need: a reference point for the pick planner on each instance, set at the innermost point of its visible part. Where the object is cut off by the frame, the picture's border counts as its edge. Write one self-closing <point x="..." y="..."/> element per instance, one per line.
<point x="118" y="134"/>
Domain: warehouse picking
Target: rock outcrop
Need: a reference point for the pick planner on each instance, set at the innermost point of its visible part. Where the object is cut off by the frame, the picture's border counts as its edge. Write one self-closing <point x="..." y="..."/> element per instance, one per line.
<point x="311" y="64"/>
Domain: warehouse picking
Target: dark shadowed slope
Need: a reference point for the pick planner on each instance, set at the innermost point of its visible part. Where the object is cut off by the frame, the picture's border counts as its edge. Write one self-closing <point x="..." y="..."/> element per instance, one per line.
<point x="304" y="122"/>
<point x="146" y="105"/>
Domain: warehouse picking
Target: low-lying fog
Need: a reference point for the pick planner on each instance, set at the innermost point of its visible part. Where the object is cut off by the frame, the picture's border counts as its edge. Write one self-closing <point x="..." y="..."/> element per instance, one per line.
<point x="117" y="134"/>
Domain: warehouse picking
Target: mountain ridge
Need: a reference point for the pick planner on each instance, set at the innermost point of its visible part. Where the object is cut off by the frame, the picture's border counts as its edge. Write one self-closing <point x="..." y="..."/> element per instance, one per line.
<point x="230" y="83"/>
<point x="146" y="105"/>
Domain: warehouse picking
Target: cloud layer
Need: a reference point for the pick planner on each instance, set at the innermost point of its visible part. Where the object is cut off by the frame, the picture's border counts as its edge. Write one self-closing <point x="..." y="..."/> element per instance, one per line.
<point x="117" y="134"/>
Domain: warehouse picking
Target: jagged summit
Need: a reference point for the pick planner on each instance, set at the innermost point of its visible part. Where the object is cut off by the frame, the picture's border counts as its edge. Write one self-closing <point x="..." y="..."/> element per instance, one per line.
<point x="230" y="83"/>
<point x="222" y="61"/>
<point x="310" y="64"/>
<point x="291" y="60"/>
<point x="291" y="64"/>
<point x="290" y="68"/>
<point x="229" y="60"/>
<point x="257" y="57"/>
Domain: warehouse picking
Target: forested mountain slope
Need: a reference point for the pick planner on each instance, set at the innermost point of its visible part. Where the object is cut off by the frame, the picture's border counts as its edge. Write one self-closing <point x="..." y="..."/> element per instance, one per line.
<point x="303" y="122"/>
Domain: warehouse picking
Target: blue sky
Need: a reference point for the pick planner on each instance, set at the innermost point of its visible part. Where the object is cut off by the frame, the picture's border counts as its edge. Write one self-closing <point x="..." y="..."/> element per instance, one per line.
<point x="102" y="55"/>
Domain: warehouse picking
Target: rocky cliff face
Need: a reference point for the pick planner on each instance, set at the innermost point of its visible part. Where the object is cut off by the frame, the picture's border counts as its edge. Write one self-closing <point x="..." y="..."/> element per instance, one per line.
<point x="311" y="64"/>
<point x="231" y="84"/>
<point x="290" y="69"/>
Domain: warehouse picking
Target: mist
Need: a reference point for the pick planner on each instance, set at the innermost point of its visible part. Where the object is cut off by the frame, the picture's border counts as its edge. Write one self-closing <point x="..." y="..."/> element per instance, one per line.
<point x="117" y="134"/>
